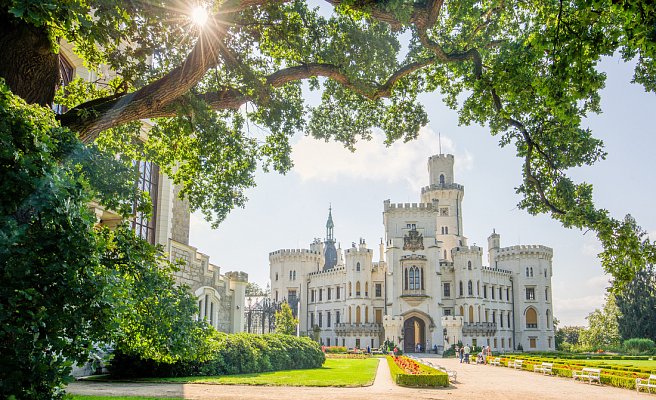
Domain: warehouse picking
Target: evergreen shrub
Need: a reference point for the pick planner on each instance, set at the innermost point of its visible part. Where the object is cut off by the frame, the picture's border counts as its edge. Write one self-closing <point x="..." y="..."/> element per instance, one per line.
<point x="239" y="353"/>
<point x="639" y="346"/>
<point x="427" y="376"/>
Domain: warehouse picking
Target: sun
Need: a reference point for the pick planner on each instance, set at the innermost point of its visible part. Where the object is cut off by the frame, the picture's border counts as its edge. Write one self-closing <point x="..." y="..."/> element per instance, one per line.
<point x="199" y="15"/>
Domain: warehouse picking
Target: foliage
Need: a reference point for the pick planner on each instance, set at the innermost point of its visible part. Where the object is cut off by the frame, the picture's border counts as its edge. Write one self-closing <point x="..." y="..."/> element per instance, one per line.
<point x="526" y="69"/>
<point x="637" y="306"/>
<point x="335" y="350"/>
<point x="285" y="321"/>
<point x="253" y="289"/>
<point x="419" y="375"/>
<point x="567" y="337"/>
<point x="639" y="346"/>
<point x="67" y="284"/>
<point x="239" y="353"/>
<point x="603" y="330"/>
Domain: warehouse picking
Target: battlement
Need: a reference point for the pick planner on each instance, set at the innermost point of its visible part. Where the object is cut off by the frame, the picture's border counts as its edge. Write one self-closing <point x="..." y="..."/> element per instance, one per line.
<point x="293" y="252"/>
<point x="525" y="249"/>
<point x="497" y="270"/>
<point x="445" y="186"/>
<point x="388" y="206"/>
<point x="327" y="272"/>
<point x="238" y="276"/>
<point x="355" y="250"/>
<point x="467" y="249"/>
<point x="441" y="156"/>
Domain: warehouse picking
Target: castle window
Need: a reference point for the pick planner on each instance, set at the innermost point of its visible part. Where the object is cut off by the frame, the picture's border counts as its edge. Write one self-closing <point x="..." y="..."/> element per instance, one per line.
<point x="312" y="296"/>
<point x="357" y="315"/>
<point x="447" y="289"/>
<point x="530" y="293"/>
<point x="337" y="294"/>
<point x="471" y="313"/>
<point x="445" y="254"/>
<point x="446" y="230"/>
<point x="531" y="318"/>
<point x="485" y="291"/>
<point x="350" y="290"/>
<point x="320" y="294"/>
<point x="413" y="278"/>
<point x="548" y="322"/>
<point x="320" y="318"/>
<point x="357" y="267"/>
<point x="329" y="293"/>
<point x="290" y="275"/>
<point x="545" y="272"/>
<point x="357" y="289"/>
<point x="478" y="288"/>
<point x="337" y="319"/>
<point x="500" y="293"/>
<point x="527" y="272"/>
<point x="494" y="317"/>
<point x="441" y="179"/>
<point x="492" y="291"/>
<point x="366" y="315"/>
<point x="469" y="265"/>
<point x="379" y="290"/>
<point x="508" y="318"/>
<point x="531" y="272"/>
<point x="328" y="320"/>
<point x="507" y="294"/>
<point x="294" y="275"/>
<point x="366" y="289"/>
<point x="148" y="176"/>
<point x="460" y="291"/>
<point x="546" y="294"/>
<point x="470" y="289"/>
<point x="276" y="276"/>
<point x="311" y="320"/>
<point x="501" y="318"/>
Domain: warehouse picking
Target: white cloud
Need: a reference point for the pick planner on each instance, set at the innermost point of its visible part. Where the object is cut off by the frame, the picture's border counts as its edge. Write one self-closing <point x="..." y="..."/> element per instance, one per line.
<point x="591" y="247"/>
<point x="372" y="160"/>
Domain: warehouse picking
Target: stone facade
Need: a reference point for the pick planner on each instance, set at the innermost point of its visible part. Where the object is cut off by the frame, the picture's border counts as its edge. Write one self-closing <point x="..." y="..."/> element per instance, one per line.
<point x="220" y="296"/>
<point x="429" y="288"/>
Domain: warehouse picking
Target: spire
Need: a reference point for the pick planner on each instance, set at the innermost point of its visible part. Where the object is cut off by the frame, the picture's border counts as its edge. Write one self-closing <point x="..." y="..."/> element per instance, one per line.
<point x="439" y="135"/>
<point x="330" y="225"/>
<point x="330" y="253"/>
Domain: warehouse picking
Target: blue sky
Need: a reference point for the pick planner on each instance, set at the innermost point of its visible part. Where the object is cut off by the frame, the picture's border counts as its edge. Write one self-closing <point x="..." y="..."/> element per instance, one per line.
<point x="289" y="211"/>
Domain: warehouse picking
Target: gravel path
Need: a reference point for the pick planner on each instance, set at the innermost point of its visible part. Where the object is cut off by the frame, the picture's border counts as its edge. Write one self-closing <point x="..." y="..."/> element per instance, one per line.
<point x="475" y="382"/>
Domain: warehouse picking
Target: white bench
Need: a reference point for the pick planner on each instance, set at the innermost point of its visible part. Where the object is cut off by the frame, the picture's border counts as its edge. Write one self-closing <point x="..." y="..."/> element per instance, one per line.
<point x="545" y="368"/>
<point x="591" y="374"/>
<point x="517" y="364"/>
<point x="649" y="383"/>
<point x="496" y="361"/>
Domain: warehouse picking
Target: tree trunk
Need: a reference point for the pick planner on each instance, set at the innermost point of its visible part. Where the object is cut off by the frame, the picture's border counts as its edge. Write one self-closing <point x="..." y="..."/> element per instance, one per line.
<point x="27" y="62"/>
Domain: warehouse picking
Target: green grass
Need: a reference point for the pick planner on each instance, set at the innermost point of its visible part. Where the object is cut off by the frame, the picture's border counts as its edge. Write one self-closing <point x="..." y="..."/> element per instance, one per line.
<point x="335" y="372"/>
<point x="83" y="397"/>
<point x="635" y="363"/>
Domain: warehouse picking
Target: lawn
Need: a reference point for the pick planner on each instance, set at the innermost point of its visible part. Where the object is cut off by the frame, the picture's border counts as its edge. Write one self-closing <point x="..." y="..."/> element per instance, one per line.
<point x="635" y="363"/>
<point x="334" y="372"/>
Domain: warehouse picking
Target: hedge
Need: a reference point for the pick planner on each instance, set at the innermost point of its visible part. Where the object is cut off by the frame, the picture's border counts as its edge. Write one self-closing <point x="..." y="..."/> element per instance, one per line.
<point x="428" y="376"/>
<point x="614" y="375"/>
<point x="239" y="353"/>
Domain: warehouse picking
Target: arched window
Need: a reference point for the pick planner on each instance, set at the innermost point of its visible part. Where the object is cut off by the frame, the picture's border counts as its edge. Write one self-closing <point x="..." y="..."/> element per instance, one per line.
<point x="471" y="313"/>
<point x="357" y="288"/>
<point x="445" y="254"/>
<point x="366" y="315"/>
<point x="446" y="230"/>
<point x="527" y="272"/>
<point x="294" y="275"/>
<point x="414" y="278"/>
<point x="290" y="275"/>
<point x="478" y="288"/>
<point x="357" y="267"/>
<point x="531" y="318"/>
<point x="462" y="311"/>
<point x="276" y="276"/>
<point x="441" y="179"/>
<point x="531" y="271"/>
<point x="350" y="289"/>
<point x="357" y="315"/>
<point x="405" y="280"/>
<point x="366" y="289"/>
<point x="469" y="265"/>
<point x="350" y="320"/>
<point x="470" y="288"/>
<point x="461" y="292"/>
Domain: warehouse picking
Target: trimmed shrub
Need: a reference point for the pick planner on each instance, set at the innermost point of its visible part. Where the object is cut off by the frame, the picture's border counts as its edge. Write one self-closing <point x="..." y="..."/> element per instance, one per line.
<point x="335" y="350"/>
<point x="427" y="376"/>
<point x="239" y="353"/>
<point x="639" y="345"/>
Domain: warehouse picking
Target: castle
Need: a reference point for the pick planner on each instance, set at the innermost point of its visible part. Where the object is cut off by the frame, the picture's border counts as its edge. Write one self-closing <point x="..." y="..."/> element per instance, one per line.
<point x="429" y="289"/>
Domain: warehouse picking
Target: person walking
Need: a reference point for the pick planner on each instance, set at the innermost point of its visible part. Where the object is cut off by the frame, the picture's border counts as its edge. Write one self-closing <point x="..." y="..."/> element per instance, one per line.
<point x="461" y="353"/>
<point x="467" y="351"/>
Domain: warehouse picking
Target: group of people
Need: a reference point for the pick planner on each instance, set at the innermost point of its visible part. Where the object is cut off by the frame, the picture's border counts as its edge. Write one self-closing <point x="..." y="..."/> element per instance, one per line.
<point x="464" y="352"/>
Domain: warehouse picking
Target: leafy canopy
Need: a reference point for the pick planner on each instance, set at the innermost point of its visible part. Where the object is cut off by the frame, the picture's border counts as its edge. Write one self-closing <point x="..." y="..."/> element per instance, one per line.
<point x="228" y="95"/>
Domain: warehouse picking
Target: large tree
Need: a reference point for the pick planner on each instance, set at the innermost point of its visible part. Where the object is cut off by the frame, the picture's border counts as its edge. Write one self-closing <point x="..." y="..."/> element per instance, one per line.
<point x="603" y="330"/>
<point x="637" y="305"/>
<point x="527" y="69"/>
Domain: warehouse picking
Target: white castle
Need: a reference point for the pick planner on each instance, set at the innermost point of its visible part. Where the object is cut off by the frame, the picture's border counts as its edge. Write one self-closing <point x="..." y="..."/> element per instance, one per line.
<point x="429" y="288"/>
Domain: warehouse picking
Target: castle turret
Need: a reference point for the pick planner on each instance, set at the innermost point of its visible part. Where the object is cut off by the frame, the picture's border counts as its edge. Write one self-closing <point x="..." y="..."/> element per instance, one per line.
<point x="330" y="252"/>
<point x="493" y="245"/>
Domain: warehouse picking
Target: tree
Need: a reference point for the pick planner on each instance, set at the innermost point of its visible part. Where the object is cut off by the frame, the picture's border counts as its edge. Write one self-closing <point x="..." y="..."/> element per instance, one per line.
<point x="567" y="337"/>
<point x="603" y="331"/>
<point x="253" y="289"/>
<point x="527" y="69"/>
<point x="637" y="306"/>
<point x="285" y="321"/>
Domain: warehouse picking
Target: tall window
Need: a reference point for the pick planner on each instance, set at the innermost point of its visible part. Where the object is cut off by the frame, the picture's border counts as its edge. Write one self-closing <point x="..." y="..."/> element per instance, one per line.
<point x="148" y="175"/>
<point x="485" y="291"/>
<point x="357" y="315"/>
<point x="379" y="289"/>
<point x="330" y="290"/>
<point x="500" y="293"/>
<point x="470" y="288"/>
<point x="447" y="289"/>
<point x="460" y="292"/>
<point x="66" y="71"/>
<point x="328" y="319"/>
<point x="366" y="289"/>
<point x="413" y="278"/>
<point x="530" y="293"/>
<point x="338" y="290"/>
<point x="469" y="265"/>
<point x="357" y="267"/>
<point x="366" y="314"/>
<point x="531" y="318"/>
<point x="441" y="179"/>
<point x="357" y="289"/>
<point x="320" y="320"/>
<point x="320" y="294"/>
<point x="337" y="320"/>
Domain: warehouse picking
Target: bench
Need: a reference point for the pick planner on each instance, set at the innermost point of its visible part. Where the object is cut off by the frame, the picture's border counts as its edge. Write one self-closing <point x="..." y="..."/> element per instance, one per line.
<point x="591" y="374"/>
<point x="545" y="368"/>
<point x="649" y="383"/>
<point x="496" y="361"/>
<point x="517" y="364"/>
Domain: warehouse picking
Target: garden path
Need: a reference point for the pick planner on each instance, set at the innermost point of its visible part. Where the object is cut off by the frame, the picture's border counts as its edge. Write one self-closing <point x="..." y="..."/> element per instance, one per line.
<point x="475" y="382"/>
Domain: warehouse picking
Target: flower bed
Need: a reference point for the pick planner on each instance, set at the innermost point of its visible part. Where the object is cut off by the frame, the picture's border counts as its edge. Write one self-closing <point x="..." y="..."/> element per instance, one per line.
<point x="614" y="375"/>
<point x="407" y="372"/>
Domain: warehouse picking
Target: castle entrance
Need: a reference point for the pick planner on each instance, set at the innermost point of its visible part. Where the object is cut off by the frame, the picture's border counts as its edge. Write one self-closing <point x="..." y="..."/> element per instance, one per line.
<point x="414" y="332"/>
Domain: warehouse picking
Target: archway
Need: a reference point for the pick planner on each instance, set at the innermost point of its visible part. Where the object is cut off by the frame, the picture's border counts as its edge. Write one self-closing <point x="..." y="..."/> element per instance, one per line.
<point x="414" y="331"/>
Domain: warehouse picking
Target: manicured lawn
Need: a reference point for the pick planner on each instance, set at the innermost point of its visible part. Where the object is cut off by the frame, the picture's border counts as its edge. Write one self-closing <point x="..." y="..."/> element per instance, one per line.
<point x="335" y="372"/>
<point x="635" y="363"/>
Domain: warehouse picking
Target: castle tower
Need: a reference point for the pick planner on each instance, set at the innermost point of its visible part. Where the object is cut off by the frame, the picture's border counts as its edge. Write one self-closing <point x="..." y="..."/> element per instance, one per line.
<point x="493" y="245"/>
<point x="330" y="252"/>
<point x="448" y="195"/>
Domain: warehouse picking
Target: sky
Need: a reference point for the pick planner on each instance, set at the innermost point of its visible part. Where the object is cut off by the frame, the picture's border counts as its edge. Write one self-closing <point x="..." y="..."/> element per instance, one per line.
<point x="288" y="211"/>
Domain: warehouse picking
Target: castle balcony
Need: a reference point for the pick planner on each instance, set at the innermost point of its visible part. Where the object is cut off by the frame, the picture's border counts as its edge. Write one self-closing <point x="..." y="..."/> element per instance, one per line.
<point x="346" y="329"/>
<point x="479" y="328"/>
<point x="414" y="297"/>
<point x="444" y="186"/>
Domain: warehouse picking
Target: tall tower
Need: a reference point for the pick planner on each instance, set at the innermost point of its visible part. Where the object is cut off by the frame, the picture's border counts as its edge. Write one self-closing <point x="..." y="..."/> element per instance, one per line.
<point x="448" y="195"/>
<point x="330" y="253"/>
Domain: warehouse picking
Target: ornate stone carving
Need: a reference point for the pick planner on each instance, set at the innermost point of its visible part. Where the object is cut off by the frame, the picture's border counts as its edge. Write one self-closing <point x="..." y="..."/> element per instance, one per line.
<point x="413" y="241"/>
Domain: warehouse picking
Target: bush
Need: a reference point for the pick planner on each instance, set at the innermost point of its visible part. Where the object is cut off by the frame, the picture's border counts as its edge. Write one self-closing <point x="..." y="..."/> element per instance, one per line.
<point x="335" y="350"/>
<point x="238" y="353"/>
<point x="639" y="346"/>
<point x="427" y="376"/>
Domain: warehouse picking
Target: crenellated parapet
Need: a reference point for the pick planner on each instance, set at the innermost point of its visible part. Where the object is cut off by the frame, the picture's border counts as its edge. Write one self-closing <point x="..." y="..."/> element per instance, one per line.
<point x="445" y="186"/>
<point x="237" y="276"/>
<point x="467" y="250"/>
<point x="530" y="250"/>
<point x="391" y="207"/>
<point x="279" y="255"/>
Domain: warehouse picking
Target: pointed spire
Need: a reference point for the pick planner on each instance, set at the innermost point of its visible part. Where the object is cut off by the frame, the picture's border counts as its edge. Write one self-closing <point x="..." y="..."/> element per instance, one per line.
<point x="330" y="223"/>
